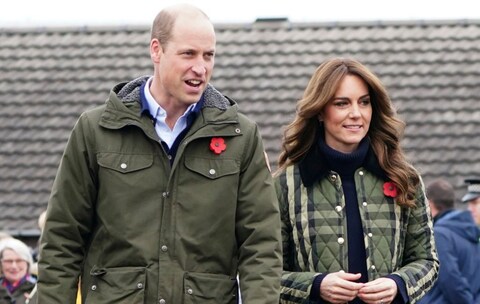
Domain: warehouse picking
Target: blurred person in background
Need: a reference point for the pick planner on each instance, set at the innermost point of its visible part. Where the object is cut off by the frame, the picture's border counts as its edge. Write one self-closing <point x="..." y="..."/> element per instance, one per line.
<point x="458" y="247"/>
<point x="36" y="251"/>
<point x="4" y="235"/>
<point x="472" y="198"/>
<point x="16" y="261"/>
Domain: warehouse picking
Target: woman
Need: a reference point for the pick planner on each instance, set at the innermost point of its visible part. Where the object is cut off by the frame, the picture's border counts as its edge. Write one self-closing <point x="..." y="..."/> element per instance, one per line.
<point x="16" y="260"/>
<point x="355" y="224"/>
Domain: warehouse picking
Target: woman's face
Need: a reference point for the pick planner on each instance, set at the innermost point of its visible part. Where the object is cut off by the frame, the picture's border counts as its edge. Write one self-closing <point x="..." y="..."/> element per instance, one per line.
<point x="346" y="118"/>
<point x="14" y="268"/>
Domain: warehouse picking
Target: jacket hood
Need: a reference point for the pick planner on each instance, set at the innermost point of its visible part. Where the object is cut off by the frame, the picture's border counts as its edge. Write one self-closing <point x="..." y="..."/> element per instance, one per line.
<point x="461" y="223"/>
<point x="124" y="107"/>
<point x="130" y="92"/>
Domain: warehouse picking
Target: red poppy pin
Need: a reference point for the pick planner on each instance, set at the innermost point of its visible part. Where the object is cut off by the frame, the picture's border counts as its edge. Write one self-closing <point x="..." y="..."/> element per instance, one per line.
<point x="389" y="189"/>
<point x="217" y="145"/>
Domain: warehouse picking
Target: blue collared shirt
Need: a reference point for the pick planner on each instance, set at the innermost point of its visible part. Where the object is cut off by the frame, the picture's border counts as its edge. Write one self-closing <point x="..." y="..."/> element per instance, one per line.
<point x="170" y="139"/>
<point x="159" y="115"/>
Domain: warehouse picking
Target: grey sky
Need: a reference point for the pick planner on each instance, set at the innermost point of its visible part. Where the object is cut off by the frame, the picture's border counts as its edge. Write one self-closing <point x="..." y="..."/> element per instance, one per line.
<point x="38" y="13"/>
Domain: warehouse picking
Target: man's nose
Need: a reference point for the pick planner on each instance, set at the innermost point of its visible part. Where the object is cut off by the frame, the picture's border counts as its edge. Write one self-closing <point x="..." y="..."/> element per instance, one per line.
<point x="199" y="68"/>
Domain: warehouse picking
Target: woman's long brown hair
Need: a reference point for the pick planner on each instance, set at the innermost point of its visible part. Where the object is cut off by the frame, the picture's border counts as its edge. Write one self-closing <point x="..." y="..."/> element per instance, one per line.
<point x="385" y="132"/>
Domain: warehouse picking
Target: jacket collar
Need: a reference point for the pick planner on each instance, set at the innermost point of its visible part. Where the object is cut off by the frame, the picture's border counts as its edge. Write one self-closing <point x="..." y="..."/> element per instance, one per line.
<point x="131" y="91"/>
<point x="314" y="166"/>
<point x="124" y="105"/>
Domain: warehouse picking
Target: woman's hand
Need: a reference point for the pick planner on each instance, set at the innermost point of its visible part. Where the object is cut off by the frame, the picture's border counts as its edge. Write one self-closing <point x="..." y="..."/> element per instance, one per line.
<point x="379" y="291"/>
<point x="340" y="287"/>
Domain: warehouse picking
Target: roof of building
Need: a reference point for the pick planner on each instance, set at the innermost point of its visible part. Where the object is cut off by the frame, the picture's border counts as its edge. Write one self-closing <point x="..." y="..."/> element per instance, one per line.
<point x="48" y="76"/>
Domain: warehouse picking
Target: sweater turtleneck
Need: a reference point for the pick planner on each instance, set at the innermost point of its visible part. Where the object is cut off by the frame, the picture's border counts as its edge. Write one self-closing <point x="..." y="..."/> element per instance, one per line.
<point x="345" y="164"/>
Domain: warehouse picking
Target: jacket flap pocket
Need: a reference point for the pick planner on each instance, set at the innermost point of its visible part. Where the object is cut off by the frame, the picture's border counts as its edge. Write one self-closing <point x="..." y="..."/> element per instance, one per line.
<point x="121" y="277"/>
<point x="117" y="285"/>
<point x="212" y="168"/>
<point x="124" y="163"/>
<point x="210" y="286"/>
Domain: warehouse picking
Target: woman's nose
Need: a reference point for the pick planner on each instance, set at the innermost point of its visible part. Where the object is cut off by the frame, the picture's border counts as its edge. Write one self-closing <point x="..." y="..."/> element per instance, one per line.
<point x="354" y="111"/>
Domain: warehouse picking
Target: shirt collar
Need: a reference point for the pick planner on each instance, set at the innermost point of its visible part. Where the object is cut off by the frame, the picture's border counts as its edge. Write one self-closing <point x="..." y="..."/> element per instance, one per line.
<point x="150" y="105"/>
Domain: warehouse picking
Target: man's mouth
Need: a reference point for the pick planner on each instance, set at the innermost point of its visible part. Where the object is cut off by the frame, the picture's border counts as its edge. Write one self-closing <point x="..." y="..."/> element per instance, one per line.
<point x="194" y="83"/>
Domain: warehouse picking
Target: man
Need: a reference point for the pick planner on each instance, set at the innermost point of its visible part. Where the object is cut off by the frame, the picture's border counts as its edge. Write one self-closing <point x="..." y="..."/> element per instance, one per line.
<point x="163" y="195"/>
<point x="457" y="240"/>
<point x="473" y="198"/>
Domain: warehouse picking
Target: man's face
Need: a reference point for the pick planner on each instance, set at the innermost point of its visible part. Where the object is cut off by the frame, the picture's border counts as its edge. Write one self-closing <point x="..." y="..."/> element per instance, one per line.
<point x="185" y="63"/>
<point x="474" y="207"/>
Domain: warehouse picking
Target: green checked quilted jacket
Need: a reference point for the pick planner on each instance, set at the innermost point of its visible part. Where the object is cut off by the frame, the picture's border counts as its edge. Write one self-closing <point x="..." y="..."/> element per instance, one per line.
<point x="397" y="240"/>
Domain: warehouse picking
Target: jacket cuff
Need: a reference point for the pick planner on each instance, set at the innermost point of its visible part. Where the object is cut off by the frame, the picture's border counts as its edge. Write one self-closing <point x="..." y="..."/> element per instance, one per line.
<point x="402" y="295"/>
<point x="315" y="290"/>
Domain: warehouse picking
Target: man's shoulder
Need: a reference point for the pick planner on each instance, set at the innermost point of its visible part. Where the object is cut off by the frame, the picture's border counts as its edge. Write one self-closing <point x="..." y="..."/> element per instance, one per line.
<point x="245" y="119"/>
<point x="94" y="112"/>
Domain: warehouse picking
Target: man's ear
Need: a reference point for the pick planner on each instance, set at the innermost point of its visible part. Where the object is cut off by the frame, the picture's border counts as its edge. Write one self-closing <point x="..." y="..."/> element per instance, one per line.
<point x="155" y="50"/>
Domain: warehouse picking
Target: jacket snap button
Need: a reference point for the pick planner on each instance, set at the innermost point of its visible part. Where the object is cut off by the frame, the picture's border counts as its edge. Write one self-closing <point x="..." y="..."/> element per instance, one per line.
<point x="190" y="291"/>
<point x="370" y="234"/>
<point x="164" y="248"/>
<point x="139" y="285"/>
<point x="237" y="131"/>
<point x="364" y="204"/>
<point x="123" y="166"/>
<point x="341" y="240"/>
<point x="373" y="267"/>
<point x="94" y="287"/>
<point x="162" y="301"/>
<point x="338" y="208"/>
<point x="361" y="173"/>
<point x="212" y="171"/>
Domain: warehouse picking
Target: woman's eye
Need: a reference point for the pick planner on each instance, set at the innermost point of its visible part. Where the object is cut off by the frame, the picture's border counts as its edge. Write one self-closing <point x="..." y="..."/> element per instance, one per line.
<point x="365" y="102"/>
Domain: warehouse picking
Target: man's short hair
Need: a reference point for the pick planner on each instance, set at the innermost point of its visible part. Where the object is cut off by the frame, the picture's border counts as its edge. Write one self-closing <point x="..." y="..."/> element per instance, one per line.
<point x="164" y="22"/>
<point x="441" y="193"/>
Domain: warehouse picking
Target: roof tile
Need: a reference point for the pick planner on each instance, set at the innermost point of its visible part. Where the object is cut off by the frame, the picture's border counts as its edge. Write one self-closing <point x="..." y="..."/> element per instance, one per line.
<point x="49" y="76"/>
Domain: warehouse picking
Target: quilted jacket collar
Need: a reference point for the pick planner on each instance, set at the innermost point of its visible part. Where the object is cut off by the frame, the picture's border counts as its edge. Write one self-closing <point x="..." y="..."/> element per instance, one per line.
<point x="314" y="165"/>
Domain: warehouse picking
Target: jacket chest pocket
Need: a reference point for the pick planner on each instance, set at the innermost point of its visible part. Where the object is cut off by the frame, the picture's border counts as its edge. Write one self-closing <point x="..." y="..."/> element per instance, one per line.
<point x="126" y="182"/>
<point x="216" y="179"/>
<point x="212" y="169"/>
<point x="124" y="163"/>
<point x="119" y="169"/>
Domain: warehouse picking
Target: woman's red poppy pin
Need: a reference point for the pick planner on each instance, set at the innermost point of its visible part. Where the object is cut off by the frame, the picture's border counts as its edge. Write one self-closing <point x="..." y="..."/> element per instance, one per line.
<point x="389" y="189"/>
<point x="217" y="145"/>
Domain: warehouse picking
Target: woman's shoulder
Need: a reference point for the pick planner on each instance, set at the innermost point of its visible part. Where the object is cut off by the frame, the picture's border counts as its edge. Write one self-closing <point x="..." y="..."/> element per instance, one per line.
<point x="26" y="286"/>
